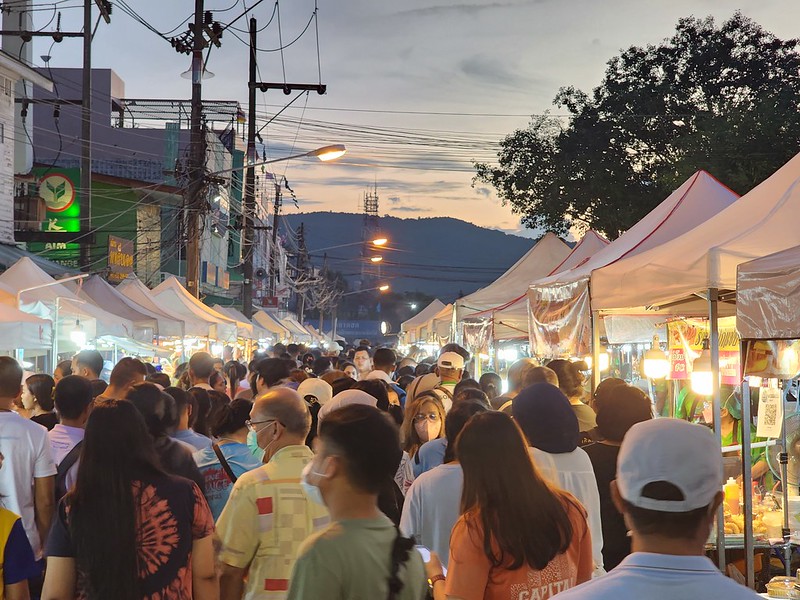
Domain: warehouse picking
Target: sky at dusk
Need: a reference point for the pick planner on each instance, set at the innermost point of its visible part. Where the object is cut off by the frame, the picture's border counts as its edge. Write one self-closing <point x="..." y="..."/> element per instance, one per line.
<point x="417" y="90"/>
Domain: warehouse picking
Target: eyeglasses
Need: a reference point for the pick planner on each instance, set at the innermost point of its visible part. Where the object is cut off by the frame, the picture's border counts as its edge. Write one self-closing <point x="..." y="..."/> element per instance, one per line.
<point x="433" y="417"/>
<point x="251" y="425"/>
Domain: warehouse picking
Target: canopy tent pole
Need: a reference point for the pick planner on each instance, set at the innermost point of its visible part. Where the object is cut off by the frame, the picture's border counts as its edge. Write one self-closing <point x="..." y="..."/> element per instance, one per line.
<point x="595" y="350"/>
<point x="747" y="493"/>
<point x="713" y="315"/>
<point x="784" y="460"/>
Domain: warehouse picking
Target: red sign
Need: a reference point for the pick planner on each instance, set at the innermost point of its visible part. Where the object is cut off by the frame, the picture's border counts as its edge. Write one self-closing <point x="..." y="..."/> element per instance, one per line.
<point x="269" y="302"/>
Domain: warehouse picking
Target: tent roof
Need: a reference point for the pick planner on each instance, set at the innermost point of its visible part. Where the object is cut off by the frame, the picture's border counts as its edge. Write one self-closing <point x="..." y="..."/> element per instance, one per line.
<point x="177" y="298"/>
<point x="255" y="330"/>
<point x="25" y="273"/>
<point x="99" y="291"/>
<point x="698" y="199"/>
<point x="540" y="260"/>
<point x="22" y="330"/>
<point x="423" y="316"/>
<point x="763" y="221"/>
<point x="169" y="323"/>
<point x="300" y="333"/>
<point x="591" y="243"/>
<point x="767" y="302"/>
<point x="271" y="323"/>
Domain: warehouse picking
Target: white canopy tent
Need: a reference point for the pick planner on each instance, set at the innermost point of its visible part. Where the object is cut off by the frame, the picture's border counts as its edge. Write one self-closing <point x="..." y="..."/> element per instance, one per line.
<point x="170" y="324"/>
<point x="561" y="304"/>
<point x="541" y="259"/>
<point x="254" y="331"/>
<point x="100" y="292"/>
<point x="768" y="296"/>
<point x="94" y="320"/>
<point x="176" y="298"/>
<point x="705" y="258"/>
<point x="24" y="331"/>
<point x="271" y="323"/>
<point x="511" y="319"/>
<point x="299" y="333"/>
<point x="410" y="328"/>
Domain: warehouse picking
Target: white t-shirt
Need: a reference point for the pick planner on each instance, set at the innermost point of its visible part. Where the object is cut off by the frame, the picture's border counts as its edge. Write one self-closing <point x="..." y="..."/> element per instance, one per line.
<point x="63" y="438"/>
<point x="26" y="452"/>
<point x="573" y="472"/>
<point x="432" y="508"/>
<point x="645" y="575"/>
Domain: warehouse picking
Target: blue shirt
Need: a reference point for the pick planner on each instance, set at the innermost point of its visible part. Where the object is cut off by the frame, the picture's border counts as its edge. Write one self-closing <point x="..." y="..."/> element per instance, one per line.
<point x="218" y="485"/>
<point x="194" y="439"/>
<point x="430" y="455"/>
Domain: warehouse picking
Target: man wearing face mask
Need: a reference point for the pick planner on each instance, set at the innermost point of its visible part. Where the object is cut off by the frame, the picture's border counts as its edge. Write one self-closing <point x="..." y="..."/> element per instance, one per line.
<point x="268" y="515"/>
<point x="361" y="554"/>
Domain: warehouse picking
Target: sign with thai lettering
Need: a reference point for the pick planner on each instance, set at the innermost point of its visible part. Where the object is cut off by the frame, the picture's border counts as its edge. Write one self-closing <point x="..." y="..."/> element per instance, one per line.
<point x="120" y="258"/>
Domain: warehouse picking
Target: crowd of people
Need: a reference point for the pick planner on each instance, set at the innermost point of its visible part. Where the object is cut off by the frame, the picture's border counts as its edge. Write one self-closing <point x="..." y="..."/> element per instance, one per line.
<point x="362" y="474"/>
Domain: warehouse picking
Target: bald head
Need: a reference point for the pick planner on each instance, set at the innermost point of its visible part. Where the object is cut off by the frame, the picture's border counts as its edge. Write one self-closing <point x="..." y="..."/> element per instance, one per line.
<point x="285" y="406"/>
<point x="518" y="372"/>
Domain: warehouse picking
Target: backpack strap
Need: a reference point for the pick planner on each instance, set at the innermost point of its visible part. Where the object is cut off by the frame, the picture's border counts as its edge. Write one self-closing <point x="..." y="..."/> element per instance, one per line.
<point x="224" y="462"/>
<point x="63" y="468"/>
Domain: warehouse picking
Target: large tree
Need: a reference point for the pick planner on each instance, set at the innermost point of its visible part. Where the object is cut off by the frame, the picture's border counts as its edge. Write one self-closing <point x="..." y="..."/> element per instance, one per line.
<point x="724" y="99"/>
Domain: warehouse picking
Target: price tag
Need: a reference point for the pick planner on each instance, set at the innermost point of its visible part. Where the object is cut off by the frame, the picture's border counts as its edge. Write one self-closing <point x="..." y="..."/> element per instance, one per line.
<point x="770" y="413"/>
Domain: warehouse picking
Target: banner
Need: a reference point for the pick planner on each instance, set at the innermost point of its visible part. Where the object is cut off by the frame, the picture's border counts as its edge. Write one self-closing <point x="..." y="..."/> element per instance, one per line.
<point x="686" y="338"/>
<point x="774" y="358"/>
<point x="559" y="320"/>
<point x="120" y="258"/>
<point x="60" y="190"/>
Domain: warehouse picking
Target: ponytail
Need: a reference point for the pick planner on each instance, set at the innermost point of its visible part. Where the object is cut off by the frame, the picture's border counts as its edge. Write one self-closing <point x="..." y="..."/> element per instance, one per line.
<point x="401" y="548"/>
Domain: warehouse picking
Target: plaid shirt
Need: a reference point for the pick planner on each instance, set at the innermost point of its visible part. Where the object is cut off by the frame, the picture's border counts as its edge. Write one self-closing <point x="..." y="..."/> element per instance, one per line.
<point x="266" y="519"/>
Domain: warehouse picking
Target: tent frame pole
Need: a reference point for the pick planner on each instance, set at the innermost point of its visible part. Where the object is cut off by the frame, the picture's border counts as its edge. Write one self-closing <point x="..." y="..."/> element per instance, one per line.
<point x="747" y="492"/>
<point x="595" y="350"/>
<point x="713" y="329"/>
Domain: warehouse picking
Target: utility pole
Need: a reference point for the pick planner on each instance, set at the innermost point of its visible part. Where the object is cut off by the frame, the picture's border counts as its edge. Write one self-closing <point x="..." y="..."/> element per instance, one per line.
<point x="193" y="200"/>
<point x="302" y="255"/>
<point x="86" y="133"/>
<point x="273" y="246"/>
<point x="249" y="201"/>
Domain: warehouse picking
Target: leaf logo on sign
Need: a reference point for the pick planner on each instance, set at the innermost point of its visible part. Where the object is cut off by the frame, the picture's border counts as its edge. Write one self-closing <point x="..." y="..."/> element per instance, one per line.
<point x="57" y="192"/>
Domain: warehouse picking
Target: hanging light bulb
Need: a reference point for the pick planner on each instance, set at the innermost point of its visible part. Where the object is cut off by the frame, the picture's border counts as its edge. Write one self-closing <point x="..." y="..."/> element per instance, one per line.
<point x="656" y="365"/>
<point x="702" y="380"/>
<point x="78" y="335"/>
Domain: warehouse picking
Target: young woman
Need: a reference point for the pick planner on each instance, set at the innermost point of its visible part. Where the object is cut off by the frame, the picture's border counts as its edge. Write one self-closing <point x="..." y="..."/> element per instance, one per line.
<point x="532" y="543"/>
<point x="423" y="421"/>
<point x="228" y="427"/>
<point x="37" y="397"/>
<point x="570" y="381"/>
<point x="127" y="530"/>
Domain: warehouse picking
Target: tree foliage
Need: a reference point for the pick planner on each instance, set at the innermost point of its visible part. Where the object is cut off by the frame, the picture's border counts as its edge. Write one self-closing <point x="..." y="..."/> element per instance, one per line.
<point x="724" y="99"/>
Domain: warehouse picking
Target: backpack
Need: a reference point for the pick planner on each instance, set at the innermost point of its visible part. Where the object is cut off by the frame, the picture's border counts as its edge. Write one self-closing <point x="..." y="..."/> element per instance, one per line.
<point x="63" y="468"/>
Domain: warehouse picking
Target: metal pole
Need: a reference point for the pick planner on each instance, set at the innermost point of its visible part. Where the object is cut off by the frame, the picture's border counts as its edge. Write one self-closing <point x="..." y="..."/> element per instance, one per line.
<point x="249" y="203"/>
<point x="273" y="246"/>
<point x="595" y="350"/>
<point x="787" y="533"/>
<point x="747" y="492"/>
<point x="86" y="132"/>
<point x="335" y="321"/>
<point x="713" y="315"/>
<point x="193" y="202"/>
<point x="54" y="359"/>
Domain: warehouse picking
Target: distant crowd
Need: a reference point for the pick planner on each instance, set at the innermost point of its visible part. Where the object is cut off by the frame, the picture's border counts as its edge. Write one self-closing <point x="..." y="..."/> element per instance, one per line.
<point x="359" y="475"/>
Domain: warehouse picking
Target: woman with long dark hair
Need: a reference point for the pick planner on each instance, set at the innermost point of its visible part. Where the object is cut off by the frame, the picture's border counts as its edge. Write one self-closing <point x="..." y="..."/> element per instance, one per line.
<point x="517" y="536"/>
<point x="127" y="530"/>
<point x="37" y="396"/>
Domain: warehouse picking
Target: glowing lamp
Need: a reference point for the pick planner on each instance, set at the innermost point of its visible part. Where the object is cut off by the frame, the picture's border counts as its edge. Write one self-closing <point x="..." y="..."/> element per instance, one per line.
<point x="702" y="378"/>
<point x="656" y="365"/>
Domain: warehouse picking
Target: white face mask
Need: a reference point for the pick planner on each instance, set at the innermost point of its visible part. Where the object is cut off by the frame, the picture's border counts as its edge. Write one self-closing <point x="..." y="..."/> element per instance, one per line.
<point x="312" y="490"/>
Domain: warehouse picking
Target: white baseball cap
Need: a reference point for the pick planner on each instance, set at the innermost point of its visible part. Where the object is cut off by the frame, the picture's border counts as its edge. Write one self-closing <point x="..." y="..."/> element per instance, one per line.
<point x="450" y="360"/>
<point x="314" y="386"/>
<point x="673" y="451"/>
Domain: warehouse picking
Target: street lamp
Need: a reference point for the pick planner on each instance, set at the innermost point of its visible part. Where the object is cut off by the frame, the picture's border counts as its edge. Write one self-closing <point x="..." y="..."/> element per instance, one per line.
<point x="376" y="259"/>
<point x="325" y="154"/>
<point x="381" y="288"/>
<point x="375" y="242"/>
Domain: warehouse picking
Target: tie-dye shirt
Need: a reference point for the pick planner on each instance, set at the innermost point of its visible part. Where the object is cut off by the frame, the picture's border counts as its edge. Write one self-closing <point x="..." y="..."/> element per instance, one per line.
<point x="172" y="514"/>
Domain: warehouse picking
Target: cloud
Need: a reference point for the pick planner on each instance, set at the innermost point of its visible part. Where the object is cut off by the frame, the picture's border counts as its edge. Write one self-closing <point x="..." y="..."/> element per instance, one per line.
<point x="482" y="191"/>
<point x="418" y="209"/>
<point x="394" y="200"/>
<point x="463" y="9"/>
<point x="490" y="70"/>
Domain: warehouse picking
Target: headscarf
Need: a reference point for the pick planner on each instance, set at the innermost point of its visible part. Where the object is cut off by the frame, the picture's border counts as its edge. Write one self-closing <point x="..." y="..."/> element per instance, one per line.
<point x="544" y="414"/>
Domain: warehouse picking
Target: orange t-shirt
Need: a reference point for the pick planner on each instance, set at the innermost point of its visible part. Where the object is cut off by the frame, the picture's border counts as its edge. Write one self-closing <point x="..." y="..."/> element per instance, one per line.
<point x="471" y="576"/>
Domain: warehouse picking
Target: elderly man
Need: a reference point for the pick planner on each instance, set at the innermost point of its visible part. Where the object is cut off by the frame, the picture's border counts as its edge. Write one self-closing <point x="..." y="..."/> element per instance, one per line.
<point x="268" y="516"/>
